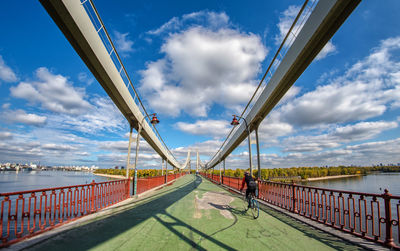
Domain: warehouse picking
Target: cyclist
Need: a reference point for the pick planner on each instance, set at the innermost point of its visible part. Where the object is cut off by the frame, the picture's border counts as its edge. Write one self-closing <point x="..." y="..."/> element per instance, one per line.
<point x="251" y="186"/>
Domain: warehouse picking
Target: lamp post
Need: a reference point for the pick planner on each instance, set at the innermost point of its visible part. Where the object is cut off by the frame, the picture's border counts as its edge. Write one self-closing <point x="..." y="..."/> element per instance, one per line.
<point x="153" y="121"/>
<point x="235" y="122"/>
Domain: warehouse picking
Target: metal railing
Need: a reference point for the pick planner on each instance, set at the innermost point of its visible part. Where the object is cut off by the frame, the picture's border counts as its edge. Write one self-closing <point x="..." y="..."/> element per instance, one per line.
<point x="374" y="217"/>
<point x="28" y="213"/>
<point x="145" y="184"/>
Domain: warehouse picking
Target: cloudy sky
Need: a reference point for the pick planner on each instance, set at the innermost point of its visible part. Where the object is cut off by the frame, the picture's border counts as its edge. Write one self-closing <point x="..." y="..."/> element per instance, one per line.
<point x="195" y="63"/>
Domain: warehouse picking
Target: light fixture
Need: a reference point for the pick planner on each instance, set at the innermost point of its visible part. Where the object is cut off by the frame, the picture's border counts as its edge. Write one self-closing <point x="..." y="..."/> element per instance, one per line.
<point x="234" y="122"/>
<point x="154" y="120"/>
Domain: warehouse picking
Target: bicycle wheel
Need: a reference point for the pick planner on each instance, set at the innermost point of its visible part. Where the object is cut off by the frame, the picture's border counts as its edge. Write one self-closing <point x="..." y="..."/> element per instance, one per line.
<point x="245" y="203"/>
<point x="255" y="208"/>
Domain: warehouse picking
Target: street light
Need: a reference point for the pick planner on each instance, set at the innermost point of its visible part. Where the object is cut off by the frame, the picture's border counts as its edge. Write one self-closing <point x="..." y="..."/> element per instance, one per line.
<point x="235" y="122"/>
<point x="153" y="121"/>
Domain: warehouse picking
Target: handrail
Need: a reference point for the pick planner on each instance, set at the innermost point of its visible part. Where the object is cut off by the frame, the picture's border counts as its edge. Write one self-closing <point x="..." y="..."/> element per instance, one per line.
<point x="27" y="213"/>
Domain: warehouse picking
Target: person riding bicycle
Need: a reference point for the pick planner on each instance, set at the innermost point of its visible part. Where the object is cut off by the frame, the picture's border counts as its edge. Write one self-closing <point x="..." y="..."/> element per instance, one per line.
<point x="251" y="186"/>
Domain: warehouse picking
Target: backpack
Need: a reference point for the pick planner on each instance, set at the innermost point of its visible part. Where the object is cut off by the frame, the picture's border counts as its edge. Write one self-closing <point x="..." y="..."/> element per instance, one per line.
<point x="252" y="184"/>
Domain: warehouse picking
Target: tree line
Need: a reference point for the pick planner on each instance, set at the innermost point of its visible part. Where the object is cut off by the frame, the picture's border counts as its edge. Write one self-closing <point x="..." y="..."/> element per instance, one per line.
<point x="280" y="173"/>
<point x="309" y="172"/>
<point x="141" y="173"/>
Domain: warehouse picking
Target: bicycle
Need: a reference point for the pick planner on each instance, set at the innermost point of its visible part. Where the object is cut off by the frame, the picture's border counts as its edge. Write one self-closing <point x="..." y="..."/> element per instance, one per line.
<point x="254" y="205"/>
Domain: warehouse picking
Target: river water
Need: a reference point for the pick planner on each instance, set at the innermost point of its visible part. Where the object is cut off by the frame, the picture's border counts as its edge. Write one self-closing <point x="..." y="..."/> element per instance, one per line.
<point x="11" y="181"/>
<point x="372" y="183"/>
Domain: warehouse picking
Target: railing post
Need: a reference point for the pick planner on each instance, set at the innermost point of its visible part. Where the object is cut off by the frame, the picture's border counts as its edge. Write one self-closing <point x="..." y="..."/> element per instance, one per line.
<point x="92" y="196"/>
<point x="388" y="219"/>
<point x="294" y="199"/>
<point x="135" y="178"/>
<point x="166" y="171"/>
<point x="223" y="175"/>
<point x="127" y="182"/>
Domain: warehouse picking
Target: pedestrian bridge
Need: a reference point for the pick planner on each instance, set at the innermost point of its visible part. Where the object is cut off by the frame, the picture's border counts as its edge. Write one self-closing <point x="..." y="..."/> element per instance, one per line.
<point x="191" y="214"/>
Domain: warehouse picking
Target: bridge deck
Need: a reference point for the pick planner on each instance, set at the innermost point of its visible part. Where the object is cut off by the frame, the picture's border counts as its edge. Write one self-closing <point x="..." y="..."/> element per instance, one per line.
<point x="195" y="214"/>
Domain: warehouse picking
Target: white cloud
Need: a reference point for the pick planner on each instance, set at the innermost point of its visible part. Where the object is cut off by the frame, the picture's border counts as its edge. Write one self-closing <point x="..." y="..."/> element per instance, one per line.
<point x="122" y="43"/>
<point x="271" y="128"/>
<point x="6" y="73"/>
<point x="53" y="92"/>
<point x="285" y="22"/>
<point x="337" y="136"/>
<point x="365" y="91"/>
<point x="102" y="116"/>
<point x="83" y="77"/>
<point x="122" y="146"/>
<point x="361" y="154"/>
<point x="5" y="135"/>
<point x="56" y="147"/>
<point x="210" y="127"/>
<point x="208" y="148"/>
<point x="27" y="151"/>
<point x="363" y="130"/>
<point x="20" y="116"/>
<point x="209" y="19"/>
<point x="329" y="49"/>
<point x="202" y="67"/>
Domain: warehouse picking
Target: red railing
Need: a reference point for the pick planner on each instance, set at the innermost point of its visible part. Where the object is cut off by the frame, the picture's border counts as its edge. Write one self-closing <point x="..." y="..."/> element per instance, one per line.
<point x="371" y="216"/>
<point x="28" y="213"/>
<point x="232" y="182"/>
<point x="145" y="184"/>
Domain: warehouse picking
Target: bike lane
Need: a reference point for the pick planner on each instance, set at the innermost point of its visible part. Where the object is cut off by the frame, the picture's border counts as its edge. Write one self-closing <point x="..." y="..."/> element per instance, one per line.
<point x="192" y="214"/>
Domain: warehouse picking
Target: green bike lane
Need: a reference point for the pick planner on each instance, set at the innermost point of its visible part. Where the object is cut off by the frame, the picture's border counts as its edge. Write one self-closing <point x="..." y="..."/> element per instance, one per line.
<point x="192" y="214"/>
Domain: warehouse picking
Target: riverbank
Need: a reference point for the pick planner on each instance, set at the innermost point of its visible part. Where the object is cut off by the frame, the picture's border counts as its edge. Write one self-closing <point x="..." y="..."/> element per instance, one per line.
<point x="112" y="176"/>
<point x="332" y="177"/>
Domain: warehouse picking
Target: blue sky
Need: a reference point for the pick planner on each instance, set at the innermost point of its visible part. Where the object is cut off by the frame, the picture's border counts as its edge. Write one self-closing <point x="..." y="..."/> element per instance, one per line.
<point x="196" y="63"/>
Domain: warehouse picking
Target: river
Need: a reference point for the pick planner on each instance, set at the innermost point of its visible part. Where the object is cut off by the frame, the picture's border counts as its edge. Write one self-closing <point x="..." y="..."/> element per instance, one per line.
<point x="371" y="183"/>
<point x="11" y="181"/>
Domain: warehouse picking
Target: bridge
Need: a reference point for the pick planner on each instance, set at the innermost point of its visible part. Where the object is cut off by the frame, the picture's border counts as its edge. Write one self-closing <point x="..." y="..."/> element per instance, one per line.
<point x="203" y="211"/>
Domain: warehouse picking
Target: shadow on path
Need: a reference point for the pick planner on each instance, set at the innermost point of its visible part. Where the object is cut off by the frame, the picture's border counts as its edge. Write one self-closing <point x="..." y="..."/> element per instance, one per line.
<point x="99" y="231"/>
<point x="311" y="232"/>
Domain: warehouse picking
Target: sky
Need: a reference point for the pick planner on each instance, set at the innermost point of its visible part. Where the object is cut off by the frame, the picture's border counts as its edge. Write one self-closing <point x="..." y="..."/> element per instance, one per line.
<point x="195" y="63"/>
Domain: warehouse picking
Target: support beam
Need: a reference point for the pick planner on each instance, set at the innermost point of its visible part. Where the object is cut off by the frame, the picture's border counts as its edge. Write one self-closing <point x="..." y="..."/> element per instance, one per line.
<point x="166" y="171"/>
<point x="197" y="162"/>
<point x="250" y="155"/>
<point x="258" y="155"/>
<point x="129" y="154"/>
<point x="224" y="172"/>
<point x="220" y="173"/>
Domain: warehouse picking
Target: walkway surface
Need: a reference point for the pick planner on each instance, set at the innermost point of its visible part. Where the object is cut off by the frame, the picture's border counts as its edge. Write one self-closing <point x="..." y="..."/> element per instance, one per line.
<point x="193" y="214"/>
